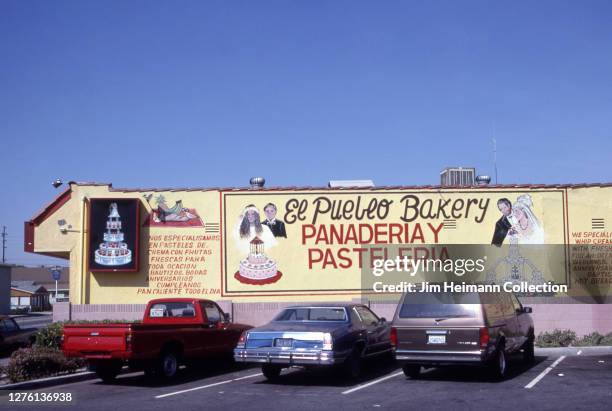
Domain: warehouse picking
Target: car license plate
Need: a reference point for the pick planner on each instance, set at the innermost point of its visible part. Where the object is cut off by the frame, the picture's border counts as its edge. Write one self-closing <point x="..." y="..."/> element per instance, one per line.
<point x="283" y="342"/>
<point x="436" y="339"/>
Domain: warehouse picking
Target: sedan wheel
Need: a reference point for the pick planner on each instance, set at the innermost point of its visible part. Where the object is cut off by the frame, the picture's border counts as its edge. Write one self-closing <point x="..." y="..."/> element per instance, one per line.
<point x="412" y="371"/>
<point x="353" y="364"/>
<point x="271" y="372"/>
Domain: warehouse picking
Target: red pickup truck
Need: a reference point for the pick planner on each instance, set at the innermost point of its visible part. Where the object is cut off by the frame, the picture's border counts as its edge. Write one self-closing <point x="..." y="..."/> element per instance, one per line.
<point x="173" y="331"/>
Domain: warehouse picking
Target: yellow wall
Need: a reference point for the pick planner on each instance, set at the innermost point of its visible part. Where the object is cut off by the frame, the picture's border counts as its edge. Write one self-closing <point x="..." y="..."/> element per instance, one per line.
<point x="210" y="255"/>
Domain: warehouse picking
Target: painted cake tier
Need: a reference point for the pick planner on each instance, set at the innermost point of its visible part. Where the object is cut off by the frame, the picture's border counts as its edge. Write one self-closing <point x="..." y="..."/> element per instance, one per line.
<point x="258" y="270"/>
<point x="113" y="257"/>
<point x="114" y="238"/>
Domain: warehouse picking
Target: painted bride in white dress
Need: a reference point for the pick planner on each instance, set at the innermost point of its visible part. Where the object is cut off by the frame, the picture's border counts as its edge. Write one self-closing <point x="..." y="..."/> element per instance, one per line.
<point x="248" y="227"/>
<point x="526" y="229"/>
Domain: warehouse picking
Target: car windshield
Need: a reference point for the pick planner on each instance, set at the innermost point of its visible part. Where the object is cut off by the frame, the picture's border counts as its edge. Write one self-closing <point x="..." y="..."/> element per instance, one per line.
<point x="440" y="305"/>
<point x="312" y="314"/>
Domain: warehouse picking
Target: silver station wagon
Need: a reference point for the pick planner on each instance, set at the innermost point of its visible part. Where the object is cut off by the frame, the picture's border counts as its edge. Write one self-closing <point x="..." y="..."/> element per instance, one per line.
<point x="313" y="336"/>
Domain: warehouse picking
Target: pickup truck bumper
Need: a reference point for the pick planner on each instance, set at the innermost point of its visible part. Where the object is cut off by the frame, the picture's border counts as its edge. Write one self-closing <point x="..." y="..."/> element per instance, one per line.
<point x="289" y="357"/>
<point x="433" y="357"/>
<point x="100" y="355"/>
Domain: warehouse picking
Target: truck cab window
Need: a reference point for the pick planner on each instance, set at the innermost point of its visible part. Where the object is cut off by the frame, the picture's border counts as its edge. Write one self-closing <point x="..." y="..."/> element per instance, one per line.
<point x="212" y="313"/>
<point x="172" y="310"/>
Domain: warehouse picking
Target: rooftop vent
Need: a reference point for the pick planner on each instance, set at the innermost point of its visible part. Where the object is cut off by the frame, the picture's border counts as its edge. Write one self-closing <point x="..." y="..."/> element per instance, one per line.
<point x="257" y="182"/>
<point x="483" y="180"/>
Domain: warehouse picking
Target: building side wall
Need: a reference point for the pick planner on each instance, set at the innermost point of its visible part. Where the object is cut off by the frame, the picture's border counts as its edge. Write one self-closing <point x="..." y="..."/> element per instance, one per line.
<point x="5" y="289"/>
<point x="580" y="318"/>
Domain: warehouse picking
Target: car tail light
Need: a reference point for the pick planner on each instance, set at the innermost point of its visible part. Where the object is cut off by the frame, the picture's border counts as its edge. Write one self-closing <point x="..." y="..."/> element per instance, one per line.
<point x="128" y="341"/>
<point x="394" y="336"/>
<point x="484" y="337"/>
<point x="242" y="340"/>
<point x="328" y="342"/>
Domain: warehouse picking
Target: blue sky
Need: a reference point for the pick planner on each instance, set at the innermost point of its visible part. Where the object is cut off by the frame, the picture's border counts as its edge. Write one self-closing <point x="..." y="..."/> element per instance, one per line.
<point x="210" y="93"/>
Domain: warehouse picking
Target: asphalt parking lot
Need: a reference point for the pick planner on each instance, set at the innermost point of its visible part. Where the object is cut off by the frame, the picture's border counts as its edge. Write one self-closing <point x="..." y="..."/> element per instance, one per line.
<point x="554" y="382"/>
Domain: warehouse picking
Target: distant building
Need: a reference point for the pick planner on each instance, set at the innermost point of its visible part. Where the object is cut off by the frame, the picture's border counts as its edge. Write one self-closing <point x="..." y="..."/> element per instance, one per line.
<point x="458" y="176"/>
<point x="29" y="295"/>
<point x="42" y="276"/>
<point x="5" y="289"/>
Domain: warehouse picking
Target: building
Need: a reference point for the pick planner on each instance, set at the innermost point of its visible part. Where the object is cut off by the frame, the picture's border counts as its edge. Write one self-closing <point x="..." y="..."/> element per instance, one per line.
<point x="128" y="246"/>
<point x="29" y="296"/>
<point x="5" y="289"/>
<point x="42" y="276"/>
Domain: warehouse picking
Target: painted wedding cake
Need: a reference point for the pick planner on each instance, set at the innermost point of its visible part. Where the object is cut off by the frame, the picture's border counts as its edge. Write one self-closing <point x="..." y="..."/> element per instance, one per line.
<point x="113" y="251"/>
<point x="257" y="266"/>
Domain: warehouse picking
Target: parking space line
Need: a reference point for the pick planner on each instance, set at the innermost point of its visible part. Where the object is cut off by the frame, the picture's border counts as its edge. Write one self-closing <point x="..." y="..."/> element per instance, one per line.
<point x="247" y="376"/>
<point x="359" y="387"/>
<point x="207" y="386"/>
<point x="543" y="373"/>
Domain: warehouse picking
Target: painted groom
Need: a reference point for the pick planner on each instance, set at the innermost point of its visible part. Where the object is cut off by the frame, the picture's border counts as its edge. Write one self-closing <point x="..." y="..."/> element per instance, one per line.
<point x="503" y="225"/>
<point x="276" y="226"/>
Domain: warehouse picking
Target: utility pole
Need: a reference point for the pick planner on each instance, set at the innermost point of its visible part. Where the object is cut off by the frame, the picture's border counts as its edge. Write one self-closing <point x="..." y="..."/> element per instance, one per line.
<point x="3" y="243"/>
<point x="495" y="158"/>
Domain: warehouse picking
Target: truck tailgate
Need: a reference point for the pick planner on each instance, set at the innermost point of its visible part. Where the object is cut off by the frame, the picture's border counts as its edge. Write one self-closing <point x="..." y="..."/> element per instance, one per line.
<point x="100" y="339"/>
<point x="438" y="338"/>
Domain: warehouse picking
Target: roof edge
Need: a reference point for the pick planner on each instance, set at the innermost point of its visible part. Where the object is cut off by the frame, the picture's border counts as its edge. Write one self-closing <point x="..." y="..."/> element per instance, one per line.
<point x="375" y="188"/>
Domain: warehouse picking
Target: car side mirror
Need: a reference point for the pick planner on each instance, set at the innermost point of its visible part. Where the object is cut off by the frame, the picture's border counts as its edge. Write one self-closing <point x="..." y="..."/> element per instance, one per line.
<point x="383" y="320"/>
<point x="227" y="318"/>
<point x="527" y="310"/>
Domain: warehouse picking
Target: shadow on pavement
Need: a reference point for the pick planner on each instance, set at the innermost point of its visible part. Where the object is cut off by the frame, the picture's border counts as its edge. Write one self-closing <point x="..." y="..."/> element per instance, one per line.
<point x="334" y="377"/>
<point x="185" y="375"/>
<point x="516" y="367"/>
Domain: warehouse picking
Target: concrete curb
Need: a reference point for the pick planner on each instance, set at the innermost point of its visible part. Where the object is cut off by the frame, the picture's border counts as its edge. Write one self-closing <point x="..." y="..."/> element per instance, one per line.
<point x="51" y="381"/>
<point x="569" y="351"/>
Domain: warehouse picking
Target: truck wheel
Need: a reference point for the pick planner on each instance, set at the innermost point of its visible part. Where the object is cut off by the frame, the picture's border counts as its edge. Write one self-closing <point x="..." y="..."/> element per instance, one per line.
<point x="498" y="366"/>
<point x="412" y="371"/>
<point x="352" y="365"/>
<point x="529" y="351"/>
<point x="271" y="372"/>
<point x="168" y="365"/>
<point x="108" y="372"/>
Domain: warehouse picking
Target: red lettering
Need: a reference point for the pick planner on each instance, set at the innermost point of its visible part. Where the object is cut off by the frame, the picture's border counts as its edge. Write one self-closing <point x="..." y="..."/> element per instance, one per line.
<point x="380" y="231"/>
<point x="314" y="256"/>
<point x="435" y="231"/>
<point x="346" y="261"/>
<point x="418" y="234"/>
<point x="305" y="228"/>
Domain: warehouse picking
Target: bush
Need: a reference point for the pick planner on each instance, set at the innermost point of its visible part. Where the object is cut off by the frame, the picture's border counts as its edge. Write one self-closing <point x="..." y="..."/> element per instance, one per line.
<point x="556" y="338"/>
<point x="594" y="338"/>
<point x="38" y="362"/>
<point x="50" y="336"/>
<point x="606" y="340"/>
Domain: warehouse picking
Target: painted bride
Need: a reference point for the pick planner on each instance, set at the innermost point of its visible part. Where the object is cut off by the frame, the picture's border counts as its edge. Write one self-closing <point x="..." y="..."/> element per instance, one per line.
<point x="526" y="228"/>
<point x="249" y="226"/>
